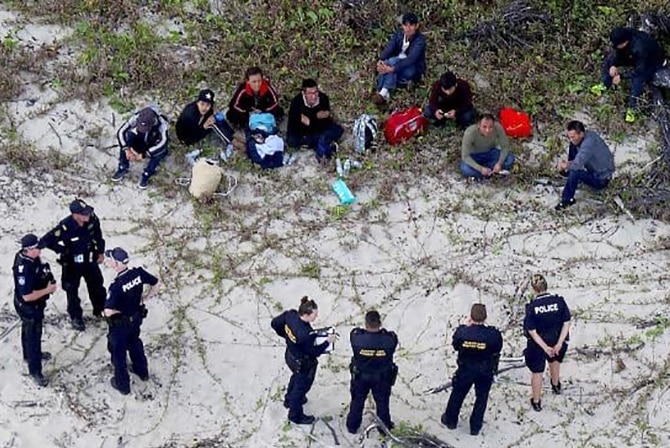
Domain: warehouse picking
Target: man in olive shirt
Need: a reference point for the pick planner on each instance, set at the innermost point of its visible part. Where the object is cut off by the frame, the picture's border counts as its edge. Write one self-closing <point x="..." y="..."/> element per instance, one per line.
<point x="485" y="150"/>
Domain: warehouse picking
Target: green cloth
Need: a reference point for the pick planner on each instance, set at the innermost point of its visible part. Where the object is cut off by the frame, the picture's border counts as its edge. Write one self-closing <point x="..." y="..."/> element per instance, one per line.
<point x="474" y="143"/>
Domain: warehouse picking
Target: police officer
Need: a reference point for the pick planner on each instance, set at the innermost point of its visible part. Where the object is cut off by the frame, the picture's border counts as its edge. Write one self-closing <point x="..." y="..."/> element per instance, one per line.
<point x="301" y="355"/>
<point x="125" y="310"/>
<point x="33" y="283"/>
<point x="78" y="241"/>
<point x="478" y="347"/>
<point x="372" y="369"/>
<point x="547" y="327"/>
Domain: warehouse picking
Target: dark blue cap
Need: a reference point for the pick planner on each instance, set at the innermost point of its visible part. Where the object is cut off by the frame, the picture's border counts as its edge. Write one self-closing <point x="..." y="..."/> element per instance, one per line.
<point x="80" y="207"/>
<point x="29" y="241"/>
<point x="118" y="254"/>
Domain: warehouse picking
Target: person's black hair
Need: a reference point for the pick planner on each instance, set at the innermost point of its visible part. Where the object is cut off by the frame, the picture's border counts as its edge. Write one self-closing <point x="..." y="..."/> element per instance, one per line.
<point x="576" y="125"/>
<point x="487" y="116"/>
<point x="251" y="71"/>
<point x="308" y="83"/>
<point x="447" y="80"/>
<point x="373" y="320"/>
<point x="307" y="306"/>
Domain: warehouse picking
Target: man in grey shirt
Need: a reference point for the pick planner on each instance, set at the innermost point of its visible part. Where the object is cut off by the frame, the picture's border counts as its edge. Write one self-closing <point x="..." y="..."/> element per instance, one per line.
<point x="590" y="161"/>
<point x="485" y="149"/>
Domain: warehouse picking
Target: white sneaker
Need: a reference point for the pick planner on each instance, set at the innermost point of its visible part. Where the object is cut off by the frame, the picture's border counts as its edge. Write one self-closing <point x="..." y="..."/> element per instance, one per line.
<point x="227" y="153"/>
<point x="192" y="156"/>
<point x="504" y="172"/>
<point x="289" y="159"/>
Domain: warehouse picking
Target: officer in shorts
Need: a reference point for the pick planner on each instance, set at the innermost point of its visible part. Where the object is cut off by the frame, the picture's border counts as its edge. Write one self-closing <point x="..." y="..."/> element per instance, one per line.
<point x="478" y="347"/>
<point x="125" y="310"/>
<point x="547" y="327"/>
<point x="78" y="241"/>
<point x="33" y="283"/>
<point x="372" y="369"/>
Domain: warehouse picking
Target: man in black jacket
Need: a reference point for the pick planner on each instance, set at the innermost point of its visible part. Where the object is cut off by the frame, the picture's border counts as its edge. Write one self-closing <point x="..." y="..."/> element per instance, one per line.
<point x="198" y="121"/>
<point x="78" y="241"/>
<point x="636" y="49"/>
<point x="310" y="121"/>
<point x="372" y="369"/>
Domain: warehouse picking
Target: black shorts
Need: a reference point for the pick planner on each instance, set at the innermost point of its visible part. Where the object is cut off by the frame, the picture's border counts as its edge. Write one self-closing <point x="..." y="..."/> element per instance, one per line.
<point x="536" y="358"/>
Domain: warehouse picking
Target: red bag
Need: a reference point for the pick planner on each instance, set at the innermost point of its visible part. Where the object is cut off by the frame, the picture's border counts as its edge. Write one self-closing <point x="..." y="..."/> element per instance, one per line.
<point x="515" y="123"/>
<point x="404" y="124"/>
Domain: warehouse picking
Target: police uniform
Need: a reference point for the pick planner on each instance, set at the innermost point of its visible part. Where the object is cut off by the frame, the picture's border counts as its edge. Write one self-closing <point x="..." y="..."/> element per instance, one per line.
<point x="125" y="296"/>
<point x="31" y="274"/>
<point x="372" y="369"/>
<point x="478" y="349"/>
<point x="78" y="248"/>
<point x="301" y="358"/>
<point x="545" y="314"/>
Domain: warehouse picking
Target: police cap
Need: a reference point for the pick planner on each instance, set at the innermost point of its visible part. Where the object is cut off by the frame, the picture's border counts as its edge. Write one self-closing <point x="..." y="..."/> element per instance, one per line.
<point x="29" y="241"/>
<point x="80" y="207"/>
<point x="117" y="254"/>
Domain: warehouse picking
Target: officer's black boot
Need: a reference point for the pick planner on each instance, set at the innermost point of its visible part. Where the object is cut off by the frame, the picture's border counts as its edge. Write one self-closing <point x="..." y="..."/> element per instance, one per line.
<point x="39" y="380"/>
<point x="78" y="324"/>
<point x="556" y="388"/>
<point x="115" y="385"/>
<point x="303" y="420"/>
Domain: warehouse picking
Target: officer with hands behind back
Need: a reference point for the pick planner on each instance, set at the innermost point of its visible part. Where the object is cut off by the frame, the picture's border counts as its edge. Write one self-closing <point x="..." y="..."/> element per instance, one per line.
<point x="78" y="241"/>
<point x="372" y="369"/>
<point x="125" y="310"/>
<point x="33" y="283"/>
<point x="301" y="355"/>
<point x="547" y="327"/>
<point x="478" y="347"/>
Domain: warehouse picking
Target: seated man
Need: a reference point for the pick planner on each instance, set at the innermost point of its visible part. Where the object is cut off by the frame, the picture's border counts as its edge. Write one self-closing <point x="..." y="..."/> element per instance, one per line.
<point x="255" y="94"/>
<point x="632" y="48"/>
<point x="144" y="135"/>
<point x="485" y="149"/>
<point x="590" y="161"/>
<point x="450" y="99"/>
<point x="403" y="59"/>
<point x="311" y="123"/>
<point x="198" y="121"/>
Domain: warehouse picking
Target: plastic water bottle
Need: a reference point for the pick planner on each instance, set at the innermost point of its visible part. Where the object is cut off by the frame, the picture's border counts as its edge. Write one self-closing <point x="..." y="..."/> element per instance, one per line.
<point x="338" y="167"/>
<point x="218" y="117"/>
<point x="346" y="168"/>
<point x="343" y="192"/>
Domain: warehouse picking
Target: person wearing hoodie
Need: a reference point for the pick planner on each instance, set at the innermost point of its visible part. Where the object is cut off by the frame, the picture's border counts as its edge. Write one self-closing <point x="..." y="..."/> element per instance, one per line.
<point x="636" y="49"/>
<point x="143" y="136"/>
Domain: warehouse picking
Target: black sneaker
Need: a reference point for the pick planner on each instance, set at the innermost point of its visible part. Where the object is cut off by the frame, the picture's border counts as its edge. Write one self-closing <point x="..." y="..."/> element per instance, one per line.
<point x="39" y="380"/>
<point x="144" y="183"/>
<point x="443" y="419"/>
<point x="556" y="388"/>
<point x="115" y="385"/>
<point x="474" y="432"/>
<point x="563" y="205"/>
<point x="78" y="324"/>
<point x="537" y="407"/>
<point x="303" y="420"/>
<point x="120" y="174"/>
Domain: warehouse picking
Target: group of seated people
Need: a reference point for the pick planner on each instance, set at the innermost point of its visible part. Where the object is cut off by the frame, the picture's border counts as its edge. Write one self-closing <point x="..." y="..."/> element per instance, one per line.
<point x="250" y="121"/>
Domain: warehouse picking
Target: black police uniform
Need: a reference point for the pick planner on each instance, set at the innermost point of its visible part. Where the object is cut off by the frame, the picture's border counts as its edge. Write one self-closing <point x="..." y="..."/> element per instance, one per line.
<point x="79" y="248"/>
<point x="31" y="274"/>
<point x="372" y="369"/>
<point x="125" y="296"/>
<point x="545" y="314"/>
<point x="478" y="349"/>
<point x="300" y="356"/>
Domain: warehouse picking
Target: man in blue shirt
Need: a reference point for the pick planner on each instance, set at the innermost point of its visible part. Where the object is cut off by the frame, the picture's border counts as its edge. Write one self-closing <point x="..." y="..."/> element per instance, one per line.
<point x="403" y="59"/>
<point x="125" y="310"/>
<point x="78" y="241"/>
<point x="33" y="283"/>
<point x="478" y="347"/>
<point x="547" y="327"/>
<point x="590" y="161"/>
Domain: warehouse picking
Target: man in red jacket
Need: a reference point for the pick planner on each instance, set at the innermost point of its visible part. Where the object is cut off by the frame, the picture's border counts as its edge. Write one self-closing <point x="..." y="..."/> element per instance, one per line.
<point x="255" y="94"/>
<point x="450" y="99"/>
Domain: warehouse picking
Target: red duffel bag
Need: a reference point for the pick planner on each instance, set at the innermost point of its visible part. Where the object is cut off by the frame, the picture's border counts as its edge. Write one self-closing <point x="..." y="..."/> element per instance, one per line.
<point x="404" y="124"/>
<point x="515" y="123"/>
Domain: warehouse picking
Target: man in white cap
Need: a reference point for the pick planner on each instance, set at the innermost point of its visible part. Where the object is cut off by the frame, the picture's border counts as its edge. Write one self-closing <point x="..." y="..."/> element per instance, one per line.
<point x="125" y="310"/>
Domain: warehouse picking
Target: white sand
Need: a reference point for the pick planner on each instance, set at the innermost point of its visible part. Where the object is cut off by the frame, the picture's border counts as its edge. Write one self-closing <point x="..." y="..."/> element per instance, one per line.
<point x="217" y="368"/>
